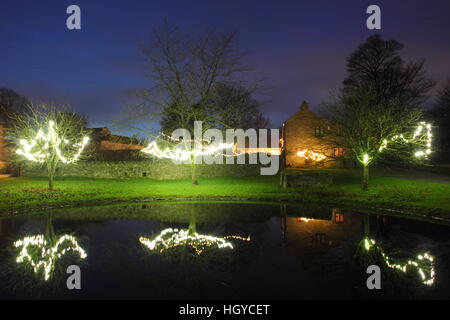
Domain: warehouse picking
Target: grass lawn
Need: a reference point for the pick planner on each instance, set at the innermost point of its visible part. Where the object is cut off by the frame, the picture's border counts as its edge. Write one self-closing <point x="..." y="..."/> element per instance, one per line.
<point x="398" y="191"/>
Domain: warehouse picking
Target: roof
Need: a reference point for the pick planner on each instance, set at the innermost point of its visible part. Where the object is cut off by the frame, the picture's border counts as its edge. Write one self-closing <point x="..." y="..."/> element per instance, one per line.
<point x="104" y="134"/>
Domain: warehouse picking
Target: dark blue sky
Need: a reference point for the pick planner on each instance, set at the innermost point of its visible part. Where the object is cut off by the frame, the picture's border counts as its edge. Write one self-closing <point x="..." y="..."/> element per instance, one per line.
<point x="298" y="46"/>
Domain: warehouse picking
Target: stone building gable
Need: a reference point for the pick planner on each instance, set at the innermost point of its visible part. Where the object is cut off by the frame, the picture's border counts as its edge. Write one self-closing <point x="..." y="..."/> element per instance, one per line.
<point x="4" y="151"/>
<point x="306" y="131"/>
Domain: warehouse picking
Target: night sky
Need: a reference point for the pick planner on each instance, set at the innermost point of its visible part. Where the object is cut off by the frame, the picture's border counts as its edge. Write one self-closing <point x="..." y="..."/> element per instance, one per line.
<point x="299" y="47"/>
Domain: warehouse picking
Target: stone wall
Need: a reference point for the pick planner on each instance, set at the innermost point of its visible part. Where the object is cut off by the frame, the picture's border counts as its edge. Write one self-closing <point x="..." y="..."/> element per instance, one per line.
<point x="160" y="170"/>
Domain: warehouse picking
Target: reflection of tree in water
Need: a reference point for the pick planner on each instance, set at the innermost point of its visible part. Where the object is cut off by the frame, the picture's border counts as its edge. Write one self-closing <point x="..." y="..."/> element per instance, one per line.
<point x="188" y="239"/>
<point x="198" y="260"/>
<point x="38" y="261"/>
<point x="399" y="271"/>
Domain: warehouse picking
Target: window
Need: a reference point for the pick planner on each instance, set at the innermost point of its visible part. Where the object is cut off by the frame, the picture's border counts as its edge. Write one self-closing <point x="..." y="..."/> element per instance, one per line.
<point x="144" y="174"/>
<point x="338" y="152"/>
<point x="320" y="238"/>
<point x="319" y="132"/>
<point x="338" y="216"/>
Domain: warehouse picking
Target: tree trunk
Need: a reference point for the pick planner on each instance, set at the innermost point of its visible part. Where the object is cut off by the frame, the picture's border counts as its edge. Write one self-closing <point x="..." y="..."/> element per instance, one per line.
<point x="366" y="222"/>
<point x="50" y="176"/>
<point x="51" y="168"/>
<point x="365" y="185"/>
<point x="194" y="172"/>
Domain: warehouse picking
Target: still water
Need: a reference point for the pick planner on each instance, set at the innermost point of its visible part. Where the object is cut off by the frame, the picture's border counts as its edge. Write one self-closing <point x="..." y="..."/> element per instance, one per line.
<point x="222" y="251"/>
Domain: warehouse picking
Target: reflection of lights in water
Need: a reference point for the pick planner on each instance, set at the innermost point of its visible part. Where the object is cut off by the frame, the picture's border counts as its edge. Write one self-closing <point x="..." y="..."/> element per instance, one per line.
<point x="304" y="219"/>
<point x="171" y="238"/>
<point x="423" y="261"/>
<point x="48" y="254"/>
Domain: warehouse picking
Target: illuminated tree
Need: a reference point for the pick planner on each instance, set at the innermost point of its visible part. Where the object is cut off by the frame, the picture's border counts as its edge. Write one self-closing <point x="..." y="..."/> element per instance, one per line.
<point x="192" y="78"/>
<point x="50" y="135"/>
<point x="365" y="127"/>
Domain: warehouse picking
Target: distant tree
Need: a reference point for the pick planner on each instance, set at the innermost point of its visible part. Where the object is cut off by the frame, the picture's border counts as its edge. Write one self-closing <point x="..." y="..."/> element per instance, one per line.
<point x="366" y="127"/>
<point x="11" y="103"/>
<point x="189" y="75"/>
<point x="377" y="63"/>
<point x="440" y="114"/>
<point x="49" y="134"/>
<point x="236" y="107"/>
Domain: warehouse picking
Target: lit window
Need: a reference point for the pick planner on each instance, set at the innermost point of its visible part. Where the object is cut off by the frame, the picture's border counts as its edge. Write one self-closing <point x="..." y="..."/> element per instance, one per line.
<point x="338" y="216"/>
<point x="319" y="132"/>
<point x="338" y="152"/>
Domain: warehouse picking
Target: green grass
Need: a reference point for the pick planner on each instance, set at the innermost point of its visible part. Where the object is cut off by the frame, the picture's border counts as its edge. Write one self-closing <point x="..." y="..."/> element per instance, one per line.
<point x="22" y="194"/>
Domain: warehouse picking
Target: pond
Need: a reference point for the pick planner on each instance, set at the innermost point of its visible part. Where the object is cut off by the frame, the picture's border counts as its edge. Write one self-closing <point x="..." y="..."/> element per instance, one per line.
<point x="221" y="251"/>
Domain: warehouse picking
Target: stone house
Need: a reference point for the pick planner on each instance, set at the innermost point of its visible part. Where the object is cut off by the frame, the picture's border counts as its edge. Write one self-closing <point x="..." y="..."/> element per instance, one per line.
<point x="308" y="142"/>
<point x="5" y="151"/>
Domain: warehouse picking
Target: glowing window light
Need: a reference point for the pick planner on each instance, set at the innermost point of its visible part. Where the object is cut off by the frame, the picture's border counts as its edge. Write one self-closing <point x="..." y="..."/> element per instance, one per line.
<point x="170" y="238"/>
<point x="423" y="260"/>
<point x="49" y="140"/>
<point x="423" y="126"/>
<point x="310" y="155"/>
<point x="48" y="254"/>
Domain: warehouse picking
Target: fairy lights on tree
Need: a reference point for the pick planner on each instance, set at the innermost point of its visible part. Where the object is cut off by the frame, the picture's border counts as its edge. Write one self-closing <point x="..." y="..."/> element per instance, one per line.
<point x="181" y="154"/>
<point x="48" y="144"/>
<point x="50" y="135"/>
<point x="367" y="125"/>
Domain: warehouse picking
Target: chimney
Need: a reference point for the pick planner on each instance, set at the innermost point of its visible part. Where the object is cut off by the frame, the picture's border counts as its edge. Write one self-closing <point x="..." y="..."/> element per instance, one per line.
<point x="304" y="106"/>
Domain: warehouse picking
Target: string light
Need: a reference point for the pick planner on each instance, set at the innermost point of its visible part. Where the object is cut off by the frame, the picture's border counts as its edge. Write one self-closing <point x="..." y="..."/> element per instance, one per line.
<point x="48" y="254"/>
<point x="366" y="159"/>
<point x="208" y="147"/>
<point x="423" y="263"/>
<point x="183" y="155"/>
<point x="310" y="155"/>
<point x="423" y="126"/>
<point x="170" y="238"/>
<point x="47" y="141"/>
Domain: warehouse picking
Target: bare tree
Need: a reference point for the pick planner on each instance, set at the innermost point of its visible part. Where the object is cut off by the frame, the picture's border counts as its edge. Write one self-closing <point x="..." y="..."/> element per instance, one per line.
<point x="11" y="103"/>
<point x="377" y="63"/>
<point x="186" y="73"/>
<point x="440" y="113"/>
